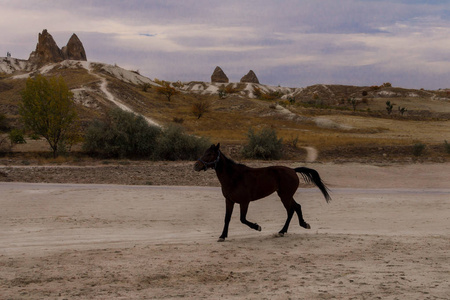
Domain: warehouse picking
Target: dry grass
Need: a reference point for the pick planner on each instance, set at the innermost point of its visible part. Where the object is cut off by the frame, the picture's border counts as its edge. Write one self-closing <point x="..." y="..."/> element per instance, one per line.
<point x="228" y="120"/>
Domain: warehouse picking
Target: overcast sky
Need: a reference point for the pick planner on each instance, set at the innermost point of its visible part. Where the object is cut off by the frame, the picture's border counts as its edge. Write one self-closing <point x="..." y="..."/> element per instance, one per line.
<point x="287" y="43"/>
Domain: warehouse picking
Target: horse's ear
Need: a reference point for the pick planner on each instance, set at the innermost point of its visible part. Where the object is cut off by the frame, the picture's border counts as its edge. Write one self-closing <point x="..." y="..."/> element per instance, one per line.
<point x="218" y="146"/>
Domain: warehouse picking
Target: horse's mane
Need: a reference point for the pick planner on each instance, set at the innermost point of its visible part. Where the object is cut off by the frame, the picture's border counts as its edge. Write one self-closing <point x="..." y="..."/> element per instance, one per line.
<point x="232" y="162"/>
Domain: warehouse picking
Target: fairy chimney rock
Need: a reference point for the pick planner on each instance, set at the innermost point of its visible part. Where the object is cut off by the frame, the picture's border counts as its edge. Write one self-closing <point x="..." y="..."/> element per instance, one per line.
<point x="46" y="50"/>
<point x="250" y="77"/>
<point x="219" y="76"/>
<point x="74" y="49"/>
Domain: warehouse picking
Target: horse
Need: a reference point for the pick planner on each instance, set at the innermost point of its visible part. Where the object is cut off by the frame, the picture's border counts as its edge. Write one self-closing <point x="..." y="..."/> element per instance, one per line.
<point x="242" y="184"/>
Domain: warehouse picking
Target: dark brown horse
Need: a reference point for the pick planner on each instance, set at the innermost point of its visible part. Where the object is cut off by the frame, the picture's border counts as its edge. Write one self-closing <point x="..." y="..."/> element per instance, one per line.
<point x="242" y="184"/>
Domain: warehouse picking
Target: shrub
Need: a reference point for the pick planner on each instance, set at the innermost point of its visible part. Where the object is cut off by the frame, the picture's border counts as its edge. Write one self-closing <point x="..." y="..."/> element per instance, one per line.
<point x="16" y="137"/>
<point x="447" y="147"/>
<point x="418" y="149"/>
<point x="178" y="120"/>
<point x="200" y="107"/>
<point x="124" y="134"/>
<point x="294" y="141"/>
<point x="3" y="122"/>
<point x="271" y="95"/>
<point x="402" y="110"/>
<point x="230" y="89"/>
<point x="4" y="145"/>
<point x="263" y="145"/>
<point x="222" y="94"/>
<point x="353" y="102"/>
<point x="146" y="86"/>
<point x="121" y="134"/>
<point x="34" y="136"/>
<point x="167" y="90"/>
<point x="175" y="144"/>
<point x="389" y="107"/>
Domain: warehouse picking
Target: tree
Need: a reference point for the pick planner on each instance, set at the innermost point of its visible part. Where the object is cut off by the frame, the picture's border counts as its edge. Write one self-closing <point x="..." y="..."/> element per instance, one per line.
<point x="167" y="90"/>
<point x="402" y="110"/>
<point x="200" y="107"/>
<point x="389" y="107"/>
<point x="353" y="102"/>
<point x="47" y="109"/>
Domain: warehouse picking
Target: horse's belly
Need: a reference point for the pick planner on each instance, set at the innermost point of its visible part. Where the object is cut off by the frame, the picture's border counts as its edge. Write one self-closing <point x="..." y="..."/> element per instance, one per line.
<point x="246" y="195"/>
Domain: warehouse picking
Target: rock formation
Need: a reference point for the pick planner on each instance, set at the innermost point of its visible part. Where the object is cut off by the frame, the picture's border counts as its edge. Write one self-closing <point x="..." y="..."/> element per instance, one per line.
<point x="250" y="77"/>
<point x="48" y="52"/>
<point x="74" y="49"/>
<point x="219" y="76"/>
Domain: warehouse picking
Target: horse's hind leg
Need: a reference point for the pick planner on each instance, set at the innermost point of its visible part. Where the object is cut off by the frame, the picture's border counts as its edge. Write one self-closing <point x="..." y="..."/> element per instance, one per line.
<point x="244" y="209"/>
<point x="298" y="210"/>
<point x="290" y="213"/>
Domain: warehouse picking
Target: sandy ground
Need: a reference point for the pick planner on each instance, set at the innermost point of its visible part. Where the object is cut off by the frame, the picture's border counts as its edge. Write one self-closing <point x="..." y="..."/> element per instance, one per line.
<point x="385" y="235"/>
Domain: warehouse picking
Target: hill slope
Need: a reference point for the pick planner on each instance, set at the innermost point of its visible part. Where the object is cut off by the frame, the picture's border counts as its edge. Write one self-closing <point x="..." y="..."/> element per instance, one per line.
<point x="320" y="116"/>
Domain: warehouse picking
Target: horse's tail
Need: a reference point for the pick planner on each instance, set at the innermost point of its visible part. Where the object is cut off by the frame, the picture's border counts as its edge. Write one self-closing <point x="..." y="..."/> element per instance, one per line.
<point x="312" y="176"/>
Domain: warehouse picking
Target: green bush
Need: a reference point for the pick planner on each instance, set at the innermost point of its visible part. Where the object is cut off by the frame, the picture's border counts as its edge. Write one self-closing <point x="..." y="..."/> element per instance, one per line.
<point x="389" y="107"/>
<point x="3" y="123"/>
<point x="418" y="149"/>
<point x="447" y="147"/>
<point x="175" y="144"/>
<point x="263" y="145"/>
<point x="16" y="137"/>
<point x="121" y="134"/>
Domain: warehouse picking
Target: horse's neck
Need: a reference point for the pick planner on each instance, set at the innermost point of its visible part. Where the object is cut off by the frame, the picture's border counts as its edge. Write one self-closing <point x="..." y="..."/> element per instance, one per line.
<point x="224" y="166"/>
<point x="225" y="169"/>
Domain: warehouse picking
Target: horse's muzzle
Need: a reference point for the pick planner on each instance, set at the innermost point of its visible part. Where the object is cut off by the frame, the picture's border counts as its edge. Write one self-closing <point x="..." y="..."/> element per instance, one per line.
<point x="199" y="166"/>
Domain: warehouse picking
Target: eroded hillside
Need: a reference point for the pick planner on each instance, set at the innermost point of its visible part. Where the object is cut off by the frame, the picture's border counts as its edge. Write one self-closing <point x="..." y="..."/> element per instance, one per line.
<point x="321" y="116"/>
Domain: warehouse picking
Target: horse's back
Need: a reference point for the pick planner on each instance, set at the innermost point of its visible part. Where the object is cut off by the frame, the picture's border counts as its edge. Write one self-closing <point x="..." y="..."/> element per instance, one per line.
<point x="249" y="184"/>
<point x="281" y="179"/>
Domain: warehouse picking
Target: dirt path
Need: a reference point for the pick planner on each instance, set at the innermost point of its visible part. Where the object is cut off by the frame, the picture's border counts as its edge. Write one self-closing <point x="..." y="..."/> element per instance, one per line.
<point x="311" y="154"/>
<point x="82" y="241"/>
<point x="111" y="97"/>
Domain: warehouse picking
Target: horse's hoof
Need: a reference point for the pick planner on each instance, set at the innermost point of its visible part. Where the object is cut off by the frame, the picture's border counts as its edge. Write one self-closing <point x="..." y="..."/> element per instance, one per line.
<point x="259" y="228"/>
<point x="305" y="225"/>
<point x="221" y="240"/>
<point x="280" y="234"/>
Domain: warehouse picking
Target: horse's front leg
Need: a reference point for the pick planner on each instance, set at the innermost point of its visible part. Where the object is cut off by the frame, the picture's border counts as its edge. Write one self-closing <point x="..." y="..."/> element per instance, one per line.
<point x="228" y="213"/>
<point x="244" y="209"/>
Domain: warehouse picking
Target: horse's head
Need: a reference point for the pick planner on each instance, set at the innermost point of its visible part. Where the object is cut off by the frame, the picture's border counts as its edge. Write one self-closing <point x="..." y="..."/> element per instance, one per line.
<point x="209" y="159"/>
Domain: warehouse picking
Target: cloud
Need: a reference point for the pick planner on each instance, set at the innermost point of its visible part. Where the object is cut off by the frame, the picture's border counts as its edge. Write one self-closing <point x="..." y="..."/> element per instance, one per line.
<point x="289" y="43"/>
<point x="148" y="34"/>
